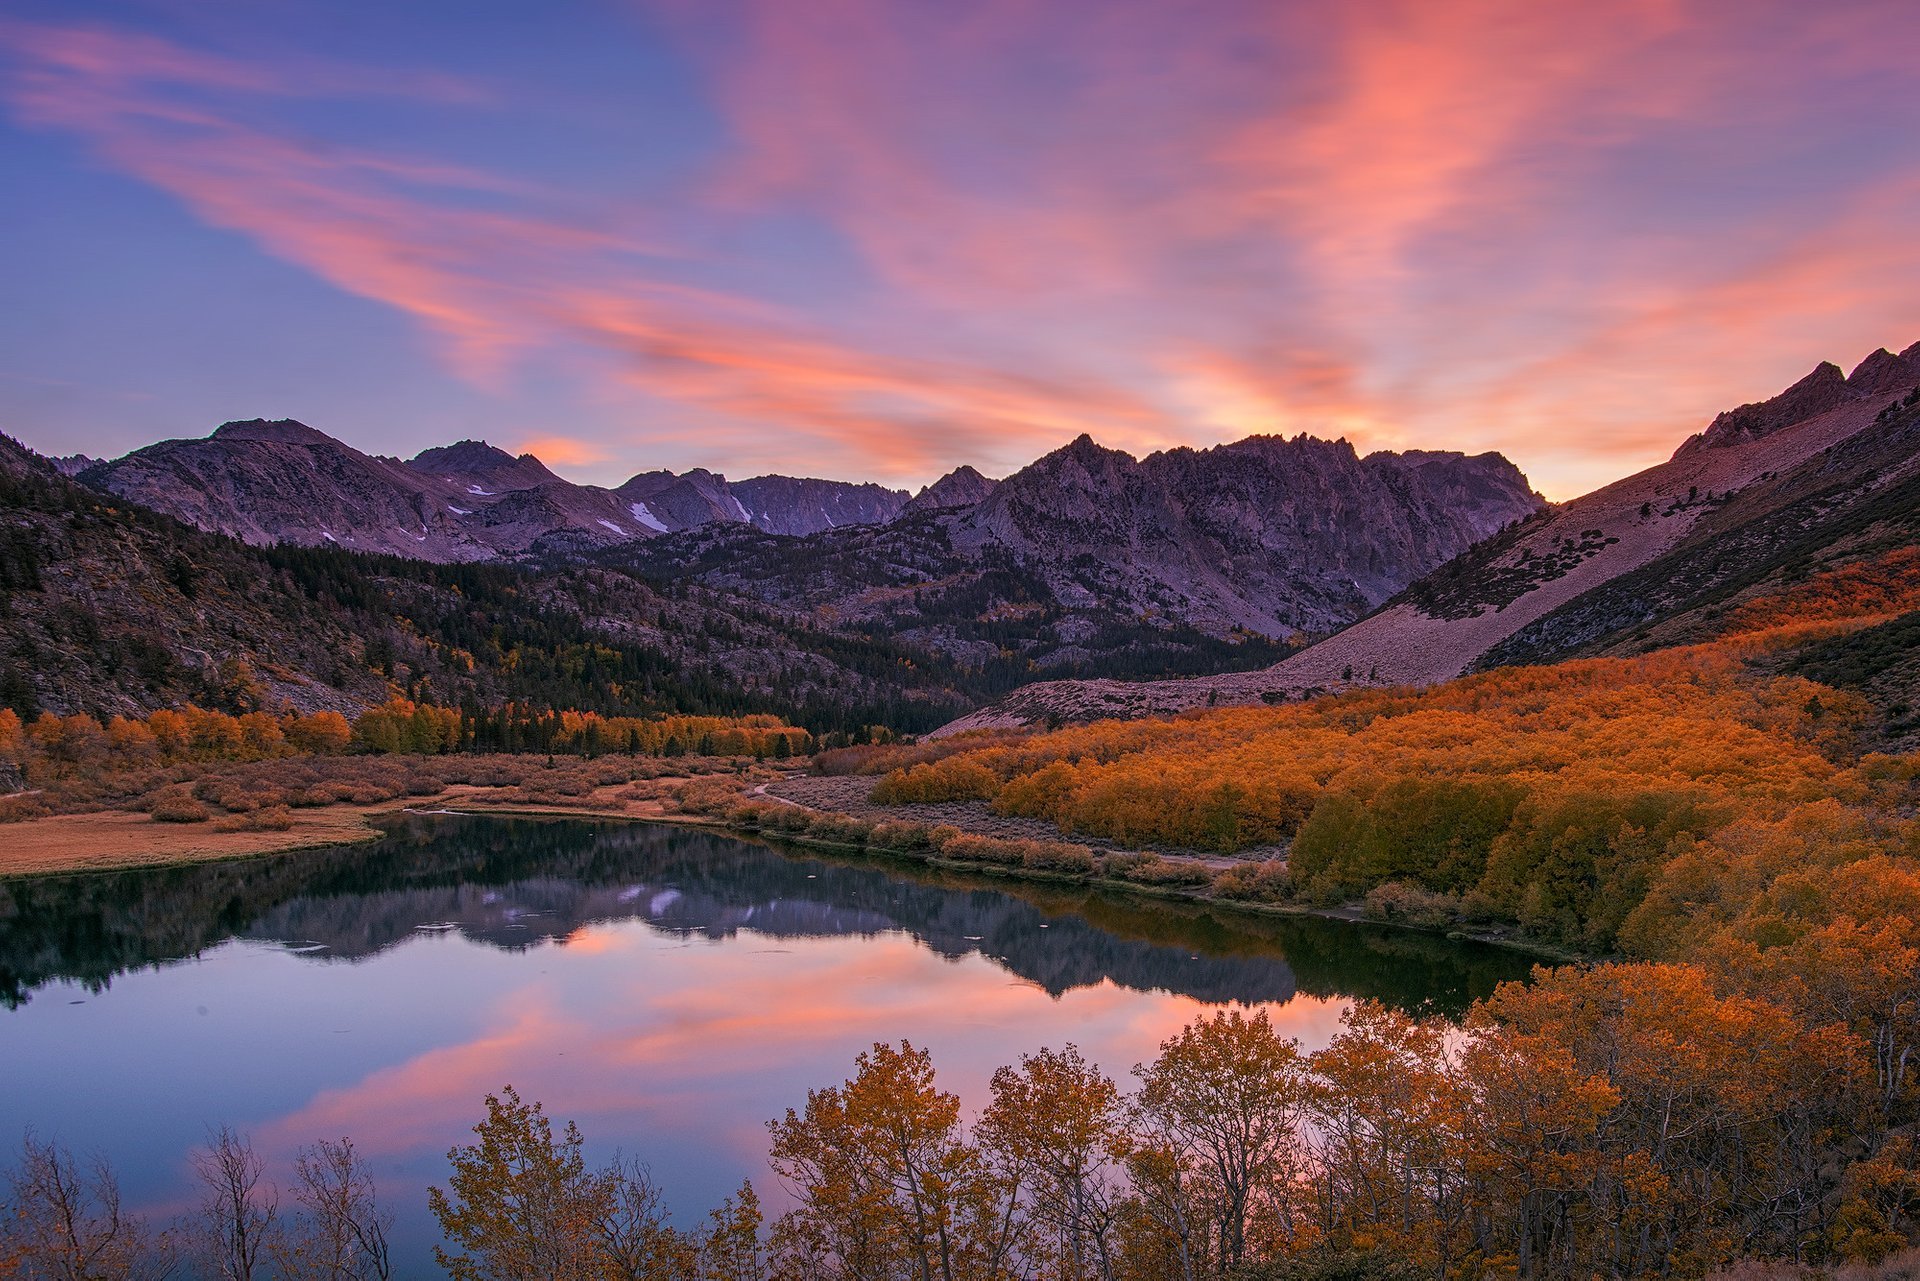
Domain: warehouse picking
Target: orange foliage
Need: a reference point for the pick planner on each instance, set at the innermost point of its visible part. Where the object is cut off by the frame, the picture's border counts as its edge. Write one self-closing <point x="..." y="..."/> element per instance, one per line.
<point x="1879" y="587"/>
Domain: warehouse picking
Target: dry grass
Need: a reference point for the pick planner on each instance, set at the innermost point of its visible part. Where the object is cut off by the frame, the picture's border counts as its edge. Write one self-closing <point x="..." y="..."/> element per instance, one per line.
<point x="193" y="812"/>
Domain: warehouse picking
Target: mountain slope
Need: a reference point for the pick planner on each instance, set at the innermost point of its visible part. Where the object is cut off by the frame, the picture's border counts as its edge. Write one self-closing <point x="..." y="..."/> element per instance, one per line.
<point x="114" y="609"/>
<point x="1088" y="551"/>
<point x="1560" y="583"/>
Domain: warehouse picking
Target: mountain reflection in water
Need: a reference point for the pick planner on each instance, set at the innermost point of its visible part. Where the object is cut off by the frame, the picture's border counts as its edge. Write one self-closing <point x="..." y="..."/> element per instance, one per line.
<point x="516" y="884"/>
<point x="668" y="988"/>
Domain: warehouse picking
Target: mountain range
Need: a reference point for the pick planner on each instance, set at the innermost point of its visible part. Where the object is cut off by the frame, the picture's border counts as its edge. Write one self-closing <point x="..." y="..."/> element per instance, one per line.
<point x="1823" y="474"/>
<point x="284" y="482"/>
<point x="1265" y="537"/>
<point x="270" y="562"/>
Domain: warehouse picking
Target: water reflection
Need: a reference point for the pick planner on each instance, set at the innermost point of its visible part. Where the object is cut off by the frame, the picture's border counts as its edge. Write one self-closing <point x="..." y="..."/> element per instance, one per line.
<point x="669" y="989"/>
<point x="512" y="884"/>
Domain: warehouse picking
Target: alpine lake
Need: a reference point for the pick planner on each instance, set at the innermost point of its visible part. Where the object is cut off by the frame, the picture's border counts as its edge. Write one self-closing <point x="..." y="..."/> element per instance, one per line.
<point x="668" y="988"/>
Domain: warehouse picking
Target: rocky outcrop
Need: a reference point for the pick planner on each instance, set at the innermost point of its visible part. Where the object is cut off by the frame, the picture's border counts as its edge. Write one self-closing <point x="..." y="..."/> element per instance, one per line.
<point x="961" y="487"/>
<point x="1265" y="535"/>
<point x="1822" y="391"/>
<point x="800" y="506"/>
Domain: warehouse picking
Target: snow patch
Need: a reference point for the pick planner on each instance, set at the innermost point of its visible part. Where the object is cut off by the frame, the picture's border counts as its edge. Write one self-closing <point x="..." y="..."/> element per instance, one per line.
<point x="645" y="517"/>
<point x="484" y="493"/>
<point x="459" y="511"/>
<point x="616" y="529"/>
<point x="740" y="507"/>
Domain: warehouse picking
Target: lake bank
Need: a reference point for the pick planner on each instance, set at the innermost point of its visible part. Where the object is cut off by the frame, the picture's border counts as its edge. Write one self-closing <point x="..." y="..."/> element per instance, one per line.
<point x="118" y="840"/>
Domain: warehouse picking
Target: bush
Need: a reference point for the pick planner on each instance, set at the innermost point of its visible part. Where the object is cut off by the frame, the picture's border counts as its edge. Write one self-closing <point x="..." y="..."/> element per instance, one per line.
<point x="179" y="809"/>
<point x="1057" y="856"/>
<point x="839" y="827"/>
<point x="1153" y="870"/>
<point x="15" y="809"/>
<point x="1411" y="905"/>
<point x="272" y="818"/>
<point x="982" y="849"/>
<point x="954" y="779"/>
<point x="1268" y="882"/>
<point x="906" y="837"/>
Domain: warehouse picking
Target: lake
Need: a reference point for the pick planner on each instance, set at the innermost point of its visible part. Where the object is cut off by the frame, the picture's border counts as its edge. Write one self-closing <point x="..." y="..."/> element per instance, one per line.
<point x="669" y="989"/>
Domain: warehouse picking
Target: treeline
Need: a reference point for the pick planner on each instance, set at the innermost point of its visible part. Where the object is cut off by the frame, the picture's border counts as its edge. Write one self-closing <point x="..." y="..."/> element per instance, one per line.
<point x="404" y="726"/>
<point x="1624" y="1121"/>
<point x="57" y="744"/>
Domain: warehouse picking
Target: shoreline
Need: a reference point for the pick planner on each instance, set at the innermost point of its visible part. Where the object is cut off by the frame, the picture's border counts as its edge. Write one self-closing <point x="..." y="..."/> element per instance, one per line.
<point x="124" y="840"/>
<point x="79" y="844"/>
<point x="1546" y="952"/>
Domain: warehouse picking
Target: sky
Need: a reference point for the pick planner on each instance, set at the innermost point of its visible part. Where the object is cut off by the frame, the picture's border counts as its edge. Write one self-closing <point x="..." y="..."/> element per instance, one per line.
<point x="875" y="239"/>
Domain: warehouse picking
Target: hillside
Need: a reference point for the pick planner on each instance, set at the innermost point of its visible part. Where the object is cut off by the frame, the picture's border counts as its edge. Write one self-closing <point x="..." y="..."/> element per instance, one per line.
<point x="114" y="609"/>
<point x="1784" y="485"/>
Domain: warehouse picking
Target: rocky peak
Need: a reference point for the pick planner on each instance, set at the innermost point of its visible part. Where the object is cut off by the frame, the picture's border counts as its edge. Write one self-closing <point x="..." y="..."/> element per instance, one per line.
<point x="1885" y="374"/>
<point x="961" y="487"/>
<point x="473" y="456"/>
<point x="478" y="461"/>
<point x="279" y="431"/>
<point x="1826" y="388"/>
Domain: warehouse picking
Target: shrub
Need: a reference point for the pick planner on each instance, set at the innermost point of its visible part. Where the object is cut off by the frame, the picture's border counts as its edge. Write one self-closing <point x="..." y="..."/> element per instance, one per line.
<point x="954" y="779"/>
<point x="272" y="818"/>
<point x="839" y="827"/>
<point x="1153" y="870"/>
<point x="1058" y="856"/>
<point x="179" y="809"/>
<point x="752" y="815"/>
<point x="1411" y="905"/>
<point x="982" y="849"/>
<point x="908" y="837"/>
<point x="1268" y="882"/>
<point x="14" y="809"/>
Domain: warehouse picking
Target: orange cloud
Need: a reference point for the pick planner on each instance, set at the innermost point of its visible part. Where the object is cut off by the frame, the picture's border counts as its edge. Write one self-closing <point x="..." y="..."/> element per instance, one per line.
<point x="563" y="451"/>
<point x="1434" y="224"/>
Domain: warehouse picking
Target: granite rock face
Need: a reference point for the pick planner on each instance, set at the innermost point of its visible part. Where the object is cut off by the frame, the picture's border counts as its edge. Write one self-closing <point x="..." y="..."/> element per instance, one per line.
<point x="1265" y="535"/>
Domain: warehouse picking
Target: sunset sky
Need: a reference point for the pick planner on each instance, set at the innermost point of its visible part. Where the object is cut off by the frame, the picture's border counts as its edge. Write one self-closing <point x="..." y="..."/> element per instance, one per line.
<point x="873" y="240"/>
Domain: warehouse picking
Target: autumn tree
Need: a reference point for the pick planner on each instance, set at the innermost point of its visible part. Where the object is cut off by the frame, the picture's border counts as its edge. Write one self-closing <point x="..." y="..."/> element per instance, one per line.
<point x="1388" y="1112"/>
<point x="519" y="1203"/>
<point x="1225" y="1101"/>
<point x="887" y="1183"/>
<point x="730" y="1248"/>
<point x="1057" y="1129"/>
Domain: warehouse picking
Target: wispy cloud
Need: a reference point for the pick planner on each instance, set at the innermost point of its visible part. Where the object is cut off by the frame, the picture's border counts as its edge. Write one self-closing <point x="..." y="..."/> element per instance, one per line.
<point x="1567" y="232"/>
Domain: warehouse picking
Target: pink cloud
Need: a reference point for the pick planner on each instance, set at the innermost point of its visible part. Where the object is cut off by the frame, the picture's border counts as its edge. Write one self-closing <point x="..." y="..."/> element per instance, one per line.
<point x="1430" y="225"/>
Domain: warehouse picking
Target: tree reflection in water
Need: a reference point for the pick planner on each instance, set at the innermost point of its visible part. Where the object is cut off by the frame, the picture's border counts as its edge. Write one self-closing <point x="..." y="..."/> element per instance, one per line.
<point x="517" y="883"/>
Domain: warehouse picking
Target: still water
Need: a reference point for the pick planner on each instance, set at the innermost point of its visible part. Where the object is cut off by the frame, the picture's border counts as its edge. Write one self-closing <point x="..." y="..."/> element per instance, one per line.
<point x="670" y="990"/>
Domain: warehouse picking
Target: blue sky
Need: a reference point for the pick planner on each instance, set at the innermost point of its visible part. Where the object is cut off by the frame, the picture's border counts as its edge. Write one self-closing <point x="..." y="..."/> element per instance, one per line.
<point x="876" y="240"/>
